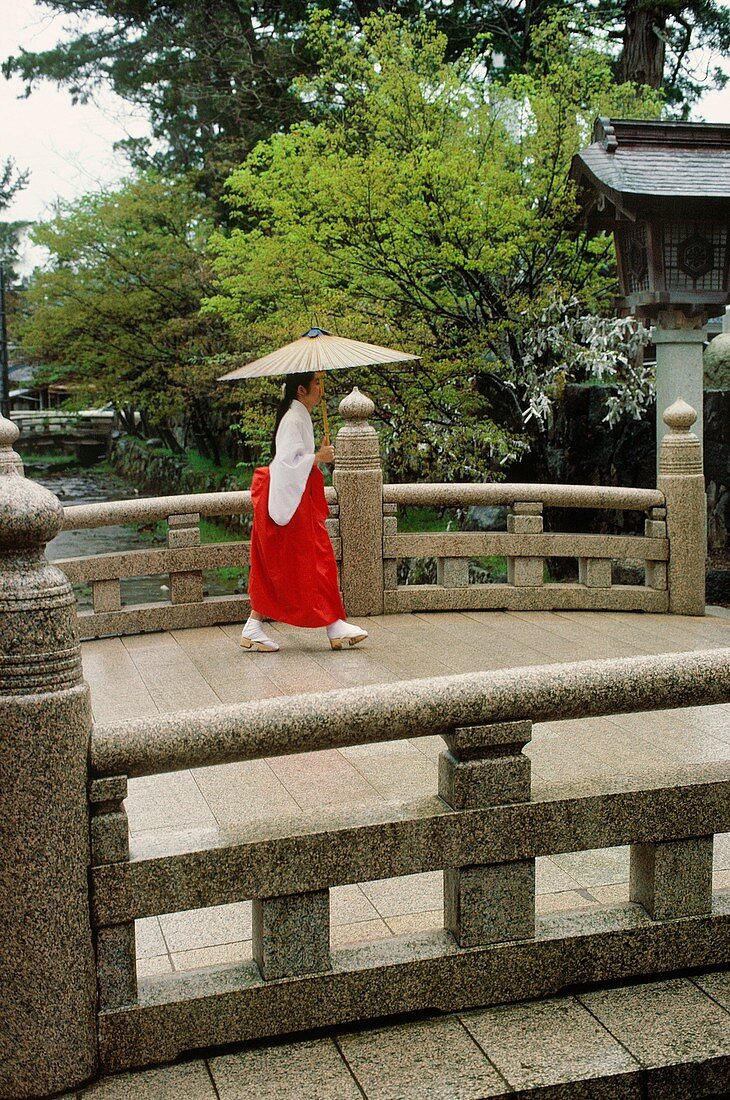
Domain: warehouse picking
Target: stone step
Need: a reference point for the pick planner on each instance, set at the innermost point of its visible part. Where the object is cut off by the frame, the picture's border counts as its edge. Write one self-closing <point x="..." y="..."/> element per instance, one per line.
<point x="656" y="1040"/>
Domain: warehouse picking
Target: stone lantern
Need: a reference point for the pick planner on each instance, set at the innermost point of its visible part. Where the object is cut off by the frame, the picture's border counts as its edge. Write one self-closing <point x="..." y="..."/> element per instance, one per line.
<point x="663" y="189"/>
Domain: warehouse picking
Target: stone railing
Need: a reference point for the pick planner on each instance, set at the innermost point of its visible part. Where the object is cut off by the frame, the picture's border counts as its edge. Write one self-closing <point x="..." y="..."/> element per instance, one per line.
<point x="526" y="547"/>
<point x="484" y="830"/>
<point x="363" y="527"/>
<point x="71" y="886"/>
<point x="182" y="562"/>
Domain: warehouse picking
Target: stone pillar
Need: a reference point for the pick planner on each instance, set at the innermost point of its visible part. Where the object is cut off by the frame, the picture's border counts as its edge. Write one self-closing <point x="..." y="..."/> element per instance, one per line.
<point x="358" y="479"/>
<point x="291" y="934"/>
<point x="48" y="989"/>
<point x="683" y="484"/>
<point x="673" y="878"/>
<point x="485" y="766"/>
<point x="679" y="369"/>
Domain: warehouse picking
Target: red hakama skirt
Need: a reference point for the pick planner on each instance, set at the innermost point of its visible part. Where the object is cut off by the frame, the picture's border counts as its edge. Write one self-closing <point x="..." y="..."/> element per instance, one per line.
<point x="293" y="576"/>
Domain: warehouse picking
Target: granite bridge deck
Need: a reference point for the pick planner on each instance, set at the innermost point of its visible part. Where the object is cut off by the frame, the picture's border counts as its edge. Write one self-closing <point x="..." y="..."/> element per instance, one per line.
<point x="187" y="669"/>
<point x="469" y="1054"/>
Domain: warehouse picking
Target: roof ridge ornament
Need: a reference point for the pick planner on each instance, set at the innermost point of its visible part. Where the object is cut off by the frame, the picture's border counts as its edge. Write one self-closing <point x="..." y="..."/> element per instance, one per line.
<point x="606" y="134"/>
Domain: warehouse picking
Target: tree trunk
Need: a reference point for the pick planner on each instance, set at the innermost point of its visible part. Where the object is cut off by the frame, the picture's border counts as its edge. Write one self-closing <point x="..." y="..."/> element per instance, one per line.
<point x="642" y="60"/>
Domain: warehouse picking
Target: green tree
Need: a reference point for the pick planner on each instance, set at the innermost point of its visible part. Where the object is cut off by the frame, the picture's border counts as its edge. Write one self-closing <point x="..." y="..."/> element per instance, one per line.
<point x="12" y="180"/>
<point x="216" y="77"/>
<point x="424" y="207"/>
<point x="116" y="309"/>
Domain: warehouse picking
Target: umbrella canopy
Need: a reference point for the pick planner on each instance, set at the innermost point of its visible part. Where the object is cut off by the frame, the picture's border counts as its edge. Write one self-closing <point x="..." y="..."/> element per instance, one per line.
<point x="318" y="350"/>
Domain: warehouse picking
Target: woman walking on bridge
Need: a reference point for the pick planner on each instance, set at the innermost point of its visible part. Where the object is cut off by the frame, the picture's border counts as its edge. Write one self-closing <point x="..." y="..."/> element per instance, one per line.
<point x="293" y="574"/>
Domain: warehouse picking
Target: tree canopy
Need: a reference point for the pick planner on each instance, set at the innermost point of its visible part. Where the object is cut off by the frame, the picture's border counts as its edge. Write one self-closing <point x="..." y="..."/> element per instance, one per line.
<point x="216" y="77"/>
<point x="426" y="206"/>
<point x="116" y="309"/>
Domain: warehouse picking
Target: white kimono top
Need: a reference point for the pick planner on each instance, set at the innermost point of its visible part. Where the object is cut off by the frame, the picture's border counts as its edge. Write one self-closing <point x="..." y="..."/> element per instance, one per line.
<point x="292" y="464"/>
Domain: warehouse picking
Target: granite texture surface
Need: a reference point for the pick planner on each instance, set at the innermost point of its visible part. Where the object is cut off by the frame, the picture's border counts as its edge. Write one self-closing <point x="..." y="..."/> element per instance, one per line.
<point x="206" y="1008"/>
<point x="80" y="516"/>
<point x="672" y="1029"/>
<point x="490" y="904"/>
<point x="404" y="839"/>
<point x="358" y="482"/>
<point x="506" y="597"/>
<point x="116" y="965"/>
<point x="308" y="1070"/>
<point x="469" y="784"/>
<point x="467" y="544"/>
<point x="673" y="878"/>
<point x="138" y="619"/>
<point x="291" y="935"/>
<point x="682" y="481"/>
<point x="554" y="1042"/>
<point x="409" y="709"/>
<point x="421" y="1060"/>
<point x="552" y="496"/>
<point x="47" y="1001"/>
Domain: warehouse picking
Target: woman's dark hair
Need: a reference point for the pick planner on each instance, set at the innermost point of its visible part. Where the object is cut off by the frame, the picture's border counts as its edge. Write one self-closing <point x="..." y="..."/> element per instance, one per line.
<point x="291" y="388"/>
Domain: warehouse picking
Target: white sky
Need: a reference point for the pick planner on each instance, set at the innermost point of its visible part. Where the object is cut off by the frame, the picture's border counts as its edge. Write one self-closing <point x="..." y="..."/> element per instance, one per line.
<point x="69" y="149"/>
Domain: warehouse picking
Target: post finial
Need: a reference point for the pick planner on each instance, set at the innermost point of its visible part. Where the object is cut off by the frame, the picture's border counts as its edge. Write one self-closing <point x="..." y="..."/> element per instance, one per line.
<point x="680" y="416"/>
<point x="680" y="451"/>
<point x="10" y="462"/>
<point x="356" y="406"/>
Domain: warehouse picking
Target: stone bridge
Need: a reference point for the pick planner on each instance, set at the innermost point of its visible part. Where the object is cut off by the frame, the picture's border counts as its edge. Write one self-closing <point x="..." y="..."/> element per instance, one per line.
<point x="84" y="434"/>
<point x="500" y="832"/>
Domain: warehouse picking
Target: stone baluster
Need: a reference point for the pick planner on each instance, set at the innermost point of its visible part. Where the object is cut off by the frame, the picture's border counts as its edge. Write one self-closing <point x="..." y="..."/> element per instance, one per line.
<point x="186" y="586"/>
<point x="116" y="948"/>
<point x="358" y="479"/>
<point x="683" y="484"/>
<point x="485" y="766"/>
<point x="655" y="527"/>
<point x="107" y="595"/>
<point x="525" y="519"/>
<point x="332" y="525"/>
<point x="672" y="878"/>
<point x="46" y="953"/>
<point x="291" y="934"/>
<point x="390" y="530"/>
<point x="452" y="572"/>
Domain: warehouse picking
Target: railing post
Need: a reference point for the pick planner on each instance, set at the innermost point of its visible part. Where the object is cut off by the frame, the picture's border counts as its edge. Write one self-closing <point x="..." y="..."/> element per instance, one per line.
<point x="485" y="766"/>
<point x="291" y="935"/>
<point x="358" y="479"/>
<point x="525" y="519"/>
<point x="683" y="484"/>
<point x="183" y="530"/>
<point x="116" y="945"/>
<point x="672" y="878"/>
<point x="48" y="1000"/>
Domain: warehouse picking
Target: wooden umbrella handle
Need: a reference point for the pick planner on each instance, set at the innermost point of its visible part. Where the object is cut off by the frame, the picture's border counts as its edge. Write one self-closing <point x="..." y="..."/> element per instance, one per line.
<point x="325" y="420"/>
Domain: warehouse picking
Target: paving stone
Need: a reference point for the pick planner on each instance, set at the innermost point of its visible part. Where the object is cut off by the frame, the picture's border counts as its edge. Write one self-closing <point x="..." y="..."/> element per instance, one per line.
<point x="599" y="867"/>
<point x="209" y="927"/>
<point x="150" y="940"/>
<point x="421" y="1060"/>
<point x="366" y="931"/>
<point x="349" y="905"/>
<point x="189" y="1080"/>
<point x="408" y="923"/>
<point x="549" y="1043"/>
<point x="673" y="1029"/>
<point x="219" y="954"/>
<point x="312" y="1070"/>
<point x="247" y="791"/>
<point x="153" y="965"/>
<point x="165" y="802"/>
<point x="717" y="986"/>
<point x="408" y="894"/>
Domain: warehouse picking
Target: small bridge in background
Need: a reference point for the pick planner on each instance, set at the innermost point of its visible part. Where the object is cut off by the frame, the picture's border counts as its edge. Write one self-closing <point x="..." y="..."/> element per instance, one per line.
<point x="85" y="434"/>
